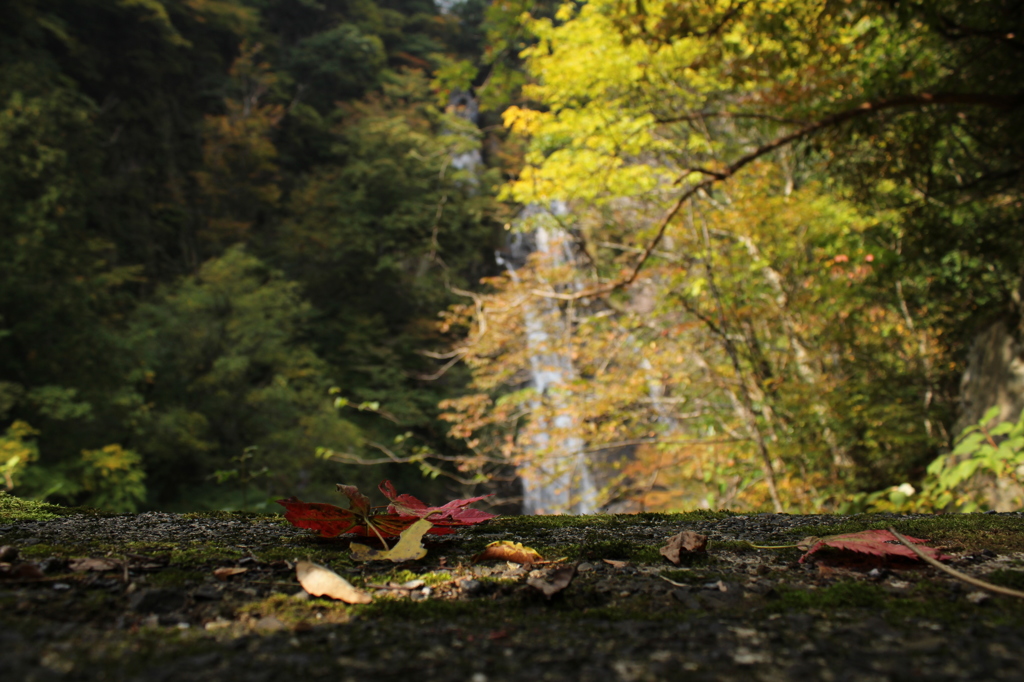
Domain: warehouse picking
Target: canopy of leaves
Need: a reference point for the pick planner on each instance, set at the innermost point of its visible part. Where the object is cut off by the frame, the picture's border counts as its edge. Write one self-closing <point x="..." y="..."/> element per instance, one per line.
<point x="785" y="220"/>
<point x="219" y="217"/>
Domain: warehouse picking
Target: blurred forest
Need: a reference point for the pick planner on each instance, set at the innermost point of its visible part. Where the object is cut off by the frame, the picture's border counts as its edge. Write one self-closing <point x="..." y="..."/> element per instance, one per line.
<point x="750" y="255"/>
<point x="227" y="228"/>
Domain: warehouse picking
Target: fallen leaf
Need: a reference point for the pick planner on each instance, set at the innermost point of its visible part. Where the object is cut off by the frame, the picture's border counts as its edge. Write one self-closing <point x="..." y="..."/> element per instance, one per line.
<point x="227" y="572"/>
<point x="615" y="563"/>
<point x="555" y="581"/>
<point x="880" y="543"/>
<point x="919" y="551"/>
<point x="686" y="542"/>
<point x="8" y="553"/>
<point x="362" y="519"/>
<point x="331" y="521"/>
<point x="825" y="571"/>
<point x="455" y="513"/>
<point x="321" y="581"/>
<point x="23" y="571"/>
<point x="97" y="565"/>
<point x="408" y="547"/>
<point x="269" y="624"/>
<point x="506" y="550"/>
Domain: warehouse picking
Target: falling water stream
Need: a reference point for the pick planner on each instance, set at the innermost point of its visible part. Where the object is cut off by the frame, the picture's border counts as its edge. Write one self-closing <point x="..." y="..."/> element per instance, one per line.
<point x="558" y="480"/>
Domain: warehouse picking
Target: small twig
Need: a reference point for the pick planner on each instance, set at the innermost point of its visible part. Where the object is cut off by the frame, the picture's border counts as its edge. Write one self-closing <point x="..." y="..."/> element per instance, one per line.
<point x="774" y="546"/>
<point x="998" y="589"/>
<point x="267" y="582"/>
<point x="673" y="582"/>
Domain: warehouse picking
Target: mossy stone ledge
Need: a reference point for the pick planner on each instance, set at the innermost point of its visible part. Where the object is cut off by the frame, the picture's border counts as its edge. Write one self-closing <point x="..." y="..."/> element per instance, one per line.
<point x="736" y="613"/>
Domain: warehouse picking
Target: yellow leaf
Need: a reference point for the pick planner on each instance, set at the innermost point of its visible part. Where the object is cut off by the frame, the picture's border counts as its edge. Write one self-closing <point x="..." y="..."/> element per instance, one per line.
<point x="408" y="547"/>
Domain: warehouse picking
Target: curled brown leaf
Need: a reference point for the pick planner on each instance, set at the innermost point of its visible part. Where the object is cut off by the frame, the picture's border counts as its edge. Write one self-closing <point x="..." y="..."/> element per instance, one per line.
<point x="555" y="581"/>
<point x="687" y="542"/>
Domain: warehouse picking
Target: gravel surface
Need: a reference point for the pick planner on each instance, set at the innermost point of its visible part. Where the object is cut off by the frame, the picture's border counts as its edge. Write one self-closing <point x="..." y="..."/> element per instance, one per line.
<point x="152" y="608"/>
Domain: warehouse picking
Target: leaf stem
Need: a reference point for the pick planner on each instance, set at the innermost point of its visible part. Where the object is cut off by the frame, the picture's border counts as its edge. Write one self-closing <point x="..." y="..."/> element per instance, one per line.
<point x="377" y="533"/>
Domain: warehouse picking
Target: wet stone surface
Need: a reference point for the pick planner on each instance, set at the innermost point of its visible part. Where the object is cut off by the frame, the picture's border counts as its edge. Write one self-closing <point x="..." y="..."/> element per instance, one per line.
<point x="151" y="607"/>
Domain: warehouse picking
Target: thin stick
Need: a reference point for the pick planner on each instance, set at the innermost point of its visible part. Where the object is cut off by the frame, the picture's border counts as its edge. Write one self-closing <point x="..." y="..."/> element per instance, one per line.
<point x="673" y="582"/>
<point x="998" y="589"/>
<point x="774" y="546"/>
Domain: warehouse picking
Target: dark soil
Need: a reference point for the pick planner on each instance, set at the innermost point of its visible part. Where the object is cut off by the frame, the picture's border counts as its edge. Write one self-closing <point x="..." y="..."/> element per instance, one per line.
<point x="157" y="612"/>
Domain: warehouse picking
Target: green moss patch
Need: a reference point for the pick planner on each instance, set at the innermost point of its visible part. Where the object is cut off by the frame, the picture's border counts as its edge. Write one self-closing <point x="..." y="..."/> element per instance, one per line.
<point x="596" y="550"/>
<point x="205" y="553"/>
<point x="531" y="524"/>
<point x="1006" y="577"/>
<point x="957" y="532"/>
<point x="18" y="509"/>
<point x="175" y="577"/>
<point x="848" y="594"/>
<point x="292" y="611"/>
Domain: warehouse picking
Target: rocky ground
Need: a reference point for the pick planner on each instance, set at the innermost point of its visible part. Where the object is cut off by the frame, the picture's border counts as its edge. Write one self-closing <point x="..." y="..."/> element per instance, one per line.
<point x="154" y="603"/>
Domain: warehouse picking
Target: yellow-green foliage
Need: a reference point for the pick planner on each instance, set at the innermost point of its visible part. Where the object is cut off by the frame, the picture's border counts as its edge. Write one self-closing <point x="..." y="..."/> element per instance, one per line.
<point x="15" y="508"/>
<point x="956" y="481"/>
<point x="774" y="349"/>
<point x="17" y="449"/>
<point x="114" y="478"/>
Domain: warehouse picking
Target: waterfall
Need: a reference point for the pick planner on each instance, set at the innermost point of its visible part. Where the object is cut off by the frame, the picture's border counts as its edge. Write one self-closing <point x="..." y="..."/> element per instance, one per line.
<point x="559" y="479"/>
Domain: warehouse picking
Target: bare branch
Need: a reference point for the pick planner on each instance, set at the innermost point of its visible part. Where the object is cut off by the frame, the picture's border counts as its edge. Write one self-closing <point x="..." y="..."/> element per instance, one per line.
<point x="658" y="441"/>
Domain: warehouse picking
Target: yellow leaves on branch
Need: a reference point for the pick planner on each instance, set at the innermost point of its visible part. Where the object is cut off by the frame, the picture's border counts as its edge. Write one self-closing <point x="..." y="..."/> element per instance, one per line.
<point x="712" y="305"/>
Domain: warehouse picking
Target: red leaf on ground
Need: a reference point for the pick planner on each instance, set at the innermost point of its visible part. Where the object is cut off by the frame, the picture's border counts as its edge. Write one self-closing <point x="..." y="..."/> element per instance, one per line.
<point x="875" y="542"/>
<point x="455" y="513"/>
<point x="362" y="519"/>
<point x="327" y="519"/>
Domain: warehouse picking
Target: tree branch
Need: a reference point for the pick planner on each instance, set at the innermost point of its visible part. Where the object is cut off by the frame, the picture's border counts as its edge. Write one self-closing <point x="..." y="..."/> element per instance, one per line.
<point x="923" y="99"/>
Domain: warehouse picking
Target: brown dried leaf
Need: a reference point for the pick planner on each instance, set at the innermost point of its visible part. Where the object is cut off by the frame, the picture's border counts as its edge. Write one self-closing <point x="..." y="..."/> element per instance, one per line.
<point x="555" y="581"/>
<point x="506" y="550"/>
<point x="90" y="564"/>
<point x="8" y="553"/>
<point x="684" y="543"/>
<point x="22" y="571"/>
<point x="321" y="581"/>
<point x="615" y="563"/>
<point x="228" y="571"/>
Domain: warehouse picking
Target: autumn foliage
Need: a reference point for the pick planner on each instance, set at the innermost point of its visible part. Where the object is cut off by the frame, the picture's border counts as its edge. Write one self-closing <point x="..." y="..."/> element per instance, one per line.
<point x="742" y="279"/>
<point x="362" y="519"/>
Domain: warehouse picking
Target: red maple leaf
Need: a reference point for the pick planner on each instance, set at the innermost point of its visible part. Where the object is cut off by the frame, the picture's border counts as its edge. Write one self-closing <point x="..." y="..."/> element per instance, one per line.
<point x="362" y="519"/>
<point x="455" y="513"/>
<point x="876" y="542"/>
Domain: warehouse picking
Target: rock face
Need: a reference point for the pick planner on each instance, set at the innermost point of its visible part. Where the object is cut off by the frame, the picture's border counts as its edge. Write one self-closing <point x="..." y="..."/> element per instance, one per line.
<point x="994" y="376"/>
